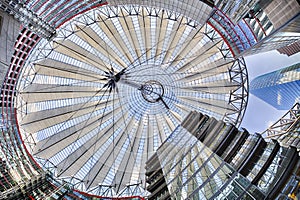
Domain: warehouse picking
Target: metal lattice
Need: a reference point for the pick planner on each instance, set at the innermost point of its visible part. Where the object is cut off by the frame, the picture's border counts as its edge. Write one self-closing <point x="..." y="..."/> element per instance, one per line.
<point x="287" y="129"/>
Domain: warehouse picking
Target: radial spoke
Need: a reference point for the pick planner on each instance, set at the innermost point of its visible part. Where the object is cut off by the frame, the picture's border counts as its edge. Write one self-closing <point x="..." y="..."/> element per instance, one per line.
<point x="100" y="119"/>
<point x="65" y="70"/>
<point x="73" y="50"/>
<point x="87" y="34"/>
<point x="103" y="95"/>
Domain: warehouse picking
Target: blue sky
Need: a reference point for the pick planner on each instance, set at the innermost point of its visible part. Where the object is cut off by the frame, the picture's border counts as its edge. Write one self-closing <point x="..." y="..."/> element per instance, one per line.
<point x="260" y="115"/>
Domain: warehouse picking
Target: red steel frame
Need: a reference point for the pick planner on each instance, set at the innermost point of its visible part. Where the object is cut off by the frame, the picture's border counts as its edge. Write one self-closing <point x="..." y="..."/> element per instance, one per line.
<point x="231" y="25"/>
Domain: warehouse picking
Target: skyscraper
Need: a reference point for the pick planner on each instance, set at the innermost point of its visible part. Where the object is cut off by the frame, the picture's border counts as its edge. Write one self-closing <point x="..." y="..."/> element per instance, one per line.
<point x="207" y="159"/>
<point x="260" y="26"/>
<point x="280" y="88"/>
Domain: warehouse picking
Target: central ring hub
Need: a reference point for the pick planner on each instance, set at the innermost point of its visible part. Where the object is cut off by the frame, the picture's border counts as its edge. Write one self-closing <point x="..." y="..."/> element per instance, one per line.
<point x="152" y="91"/>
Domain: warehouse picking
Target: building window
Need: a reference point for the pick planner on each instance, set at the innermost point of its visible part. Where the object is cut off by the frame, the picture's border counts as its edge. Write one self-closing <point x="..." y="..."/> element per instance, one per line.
<point x="1" y="19"/>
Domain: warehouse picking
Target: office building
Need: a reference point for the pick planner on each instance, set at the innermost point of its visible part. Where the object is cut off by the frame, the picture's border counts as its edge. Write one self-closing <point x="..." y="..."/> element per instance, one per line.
<point x="207" y="159"/>
<point x="290" y="49"/>
<point x="90" y="89"/>
<point x="280" y="88"/>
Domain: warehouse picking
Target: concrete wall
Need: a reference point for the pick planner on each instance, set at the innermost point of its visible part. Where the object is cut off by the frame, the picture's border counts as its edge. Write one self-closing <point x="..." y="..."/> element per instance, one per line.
<point x="9" y="30"/>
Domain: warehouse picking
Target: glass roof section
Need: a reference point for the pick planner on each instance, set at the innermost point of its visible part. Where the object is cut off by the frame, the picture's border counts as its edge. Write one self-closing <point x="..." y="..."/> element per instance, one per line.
<point x="96" y="102"/>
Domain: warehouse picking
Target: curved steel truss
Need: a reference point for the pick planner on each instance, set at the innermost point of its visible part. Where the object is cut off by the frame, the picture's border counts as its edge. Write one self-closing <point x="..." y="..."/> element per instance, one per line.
<point x="287" y="129"/>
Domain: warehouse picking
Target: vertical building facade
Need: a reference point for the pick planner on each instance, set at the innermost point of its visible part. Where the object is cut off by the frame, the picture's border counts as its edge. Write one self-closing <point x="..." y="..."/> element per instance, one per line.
<point x="280" y="88"/>
<point x="278" y="21"/>
<point x="208" y="159"/>
<point x="9" y="30"/>
<point x="258" y="26"/>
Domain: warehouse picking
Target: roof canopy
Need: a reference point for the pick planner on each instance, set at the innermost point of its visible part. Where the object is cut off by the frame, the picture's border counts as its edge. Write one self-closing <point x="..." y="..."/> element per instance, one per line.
<point x="96" y="102"/>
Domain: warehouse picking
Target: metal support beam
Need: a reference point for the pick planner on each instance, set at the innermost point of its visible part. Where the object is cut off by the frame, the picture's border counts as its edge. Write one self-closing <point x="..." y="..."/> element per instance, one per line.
<point x="286" y="129"/>
<point x="28" y="18"/>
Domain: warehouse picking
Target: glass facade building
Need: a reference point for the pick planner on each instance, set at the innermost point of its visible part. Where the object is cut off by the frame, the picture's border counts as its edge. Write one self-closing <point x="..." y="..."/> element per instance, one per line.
<point x="280" y="88"/>
<point x="193" y="171"/>
<point x="209" y="159"/>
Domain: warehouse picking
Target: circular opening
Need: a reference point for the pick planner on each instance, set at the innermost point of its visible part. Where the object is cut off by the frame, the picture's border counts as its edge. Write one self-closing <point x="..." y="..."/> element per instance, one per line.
<point x="152" y="91"/>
